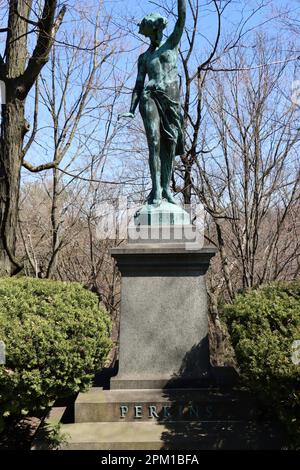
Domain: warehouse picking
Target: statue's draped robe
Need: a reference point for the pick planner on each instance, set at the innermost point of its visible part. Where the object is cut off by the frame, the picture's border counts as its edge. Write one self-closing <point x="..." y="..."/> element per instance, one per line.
<point x="170" y="117"/>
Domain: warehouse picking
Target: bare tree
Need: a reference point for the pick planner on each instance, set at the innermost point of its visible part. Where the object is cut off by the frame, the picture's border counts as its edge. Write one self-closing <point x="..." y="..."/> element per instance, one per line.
<point x="246" y="171"/>
<point x="80" y="102"/>
<point x="19" y="70"/>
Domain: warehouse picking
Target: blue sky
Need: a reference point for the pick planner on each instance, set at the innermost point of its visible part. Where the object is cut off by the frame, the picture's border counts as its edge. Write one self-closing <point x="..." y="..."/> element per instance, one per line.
<point x="129" y="12"/>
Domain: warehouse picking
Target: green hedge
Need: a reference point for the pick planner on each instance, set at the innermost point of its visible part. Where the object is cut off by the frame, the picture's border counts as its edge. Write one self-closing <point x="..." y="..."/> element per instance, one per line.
<point x="56" y="337"/>
<point x="263" y="324"/>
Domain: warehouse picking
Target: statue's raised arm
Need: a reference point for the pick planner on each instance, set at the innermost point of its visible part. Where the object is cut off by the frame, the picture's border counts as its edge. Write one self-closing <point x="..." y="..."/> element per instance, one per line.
<point x="175" y="37"/>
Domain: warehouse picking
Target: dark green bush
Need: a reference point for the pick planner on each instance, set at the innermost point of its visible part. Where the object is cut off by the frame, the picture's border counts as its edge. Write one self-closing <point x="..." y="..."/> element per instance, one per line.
<point x="56" y="337"/>
<point x="263" y="324"/>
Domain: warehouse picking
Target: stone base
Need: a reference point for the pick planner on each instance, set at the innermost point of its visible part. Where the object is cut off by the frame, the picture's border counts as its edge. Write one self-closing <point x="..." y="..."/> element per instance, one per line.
<point x="163" y="325"/>
<point x="162" y="214"/>
<point x="203" y="419"/>
<point x="100" y="405"/>
<point x="202" y="435"/>
<point x="171" y="234"/>
<point x="123" y="382"/>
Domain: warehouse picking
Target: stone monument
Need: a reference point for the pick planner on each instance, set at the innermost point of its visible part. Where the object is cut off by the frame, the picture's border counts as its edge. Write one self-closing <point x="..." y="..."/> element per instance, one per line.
<point x="163" y="304"/>
<point x="163" y="395"/>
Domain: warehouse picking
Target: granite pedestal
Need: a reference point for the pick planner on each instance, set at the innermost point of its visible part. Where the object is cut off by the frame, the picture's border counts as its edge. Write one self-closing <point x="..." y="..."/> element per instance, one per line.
<point x="163" y="325"/>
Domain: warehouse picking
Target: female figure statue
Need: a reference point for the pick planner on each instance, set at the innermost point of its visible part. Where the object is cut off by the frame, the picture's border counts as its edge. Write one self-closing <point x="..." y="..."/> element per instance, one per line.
<point x="159" y="101"/>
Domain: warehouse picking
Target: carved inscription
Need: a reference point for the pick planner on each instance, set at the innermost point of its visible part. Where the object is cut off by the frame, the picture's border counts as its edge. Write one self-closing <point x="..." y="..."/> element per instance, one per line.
<point x="165" y="411"/>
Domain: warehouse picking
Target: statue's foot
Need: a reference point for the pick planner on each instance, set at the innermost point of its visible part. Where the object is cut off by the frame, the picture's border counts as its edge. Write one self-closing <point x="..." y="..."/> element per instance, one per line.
<point x="169" y="197"/>
<point x="155" y="197"/>
<point x="157" y="201"/>
<point x="150" y="197"/>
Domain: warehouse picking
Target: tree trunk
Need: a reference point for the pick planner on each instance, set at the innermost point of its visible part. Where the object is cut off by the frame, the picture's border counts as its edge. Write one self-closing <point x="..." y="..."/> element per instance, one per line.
<point x="55" y="227"/>
<point x="12" y="133"/>
<point x="19" y="78"/>
<point x="13" y="129"/>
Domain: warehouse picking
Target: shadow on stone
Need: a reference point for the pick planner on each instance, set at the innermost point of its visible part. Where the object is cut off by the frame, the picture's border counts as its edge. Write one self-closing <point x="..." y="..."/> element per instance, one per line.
<point x="103" y="377"/>
<point x="224" y="417"/>
<point x="195" y="360"/>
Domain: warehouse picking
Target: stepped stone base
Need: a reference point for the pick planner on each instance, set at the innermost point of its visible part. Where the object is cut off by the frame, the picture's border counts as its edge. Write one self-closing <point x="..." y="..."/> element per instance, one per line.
<point x="162" y="405"/>
<point x="184" y="435"/>
<point x="203" y="419"/>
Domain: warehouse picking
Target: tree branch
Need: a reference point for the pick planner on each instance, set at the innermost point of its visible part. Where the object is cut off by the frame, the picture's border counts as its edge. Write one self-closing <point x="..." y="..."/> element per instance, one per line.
<point x="37" y="169"/>
<point x="208" y="60"/>
<point x="33" y="23"/>
<point x="48" y="27"/>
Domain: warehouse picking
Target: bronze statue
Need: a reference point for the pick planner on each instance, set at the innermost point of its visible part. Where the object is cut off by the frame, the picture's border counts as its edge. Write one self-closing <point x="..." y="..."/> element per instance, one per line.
<point x="159" y="102"/>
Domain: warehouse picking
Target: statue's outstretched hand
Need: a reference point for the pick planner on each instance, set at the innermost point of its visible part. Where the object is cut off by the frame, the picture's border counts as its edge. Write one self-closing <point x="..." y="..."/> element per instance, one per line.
<point x="125" y="115"/>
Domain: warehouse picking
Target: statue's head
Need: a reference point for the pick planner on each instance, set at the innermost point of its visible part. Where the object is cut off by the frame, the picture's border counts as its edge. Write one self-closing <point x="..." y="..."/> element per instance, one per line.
<point x="152" y="26"/>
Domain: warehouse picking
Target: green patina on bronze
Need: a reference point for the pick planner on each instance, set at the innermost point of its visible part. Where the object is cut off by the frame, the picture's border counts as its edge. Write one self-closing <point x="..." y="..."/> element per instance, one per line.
<point x="159" y="102"/>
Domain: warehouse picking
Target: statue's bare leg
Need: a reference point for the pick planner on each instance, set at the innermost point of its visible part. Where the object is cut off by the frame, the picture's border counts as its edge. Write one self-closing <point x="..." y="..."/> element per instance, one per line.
<point x="167" y="155"/>
<point x="151" y="121"/>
